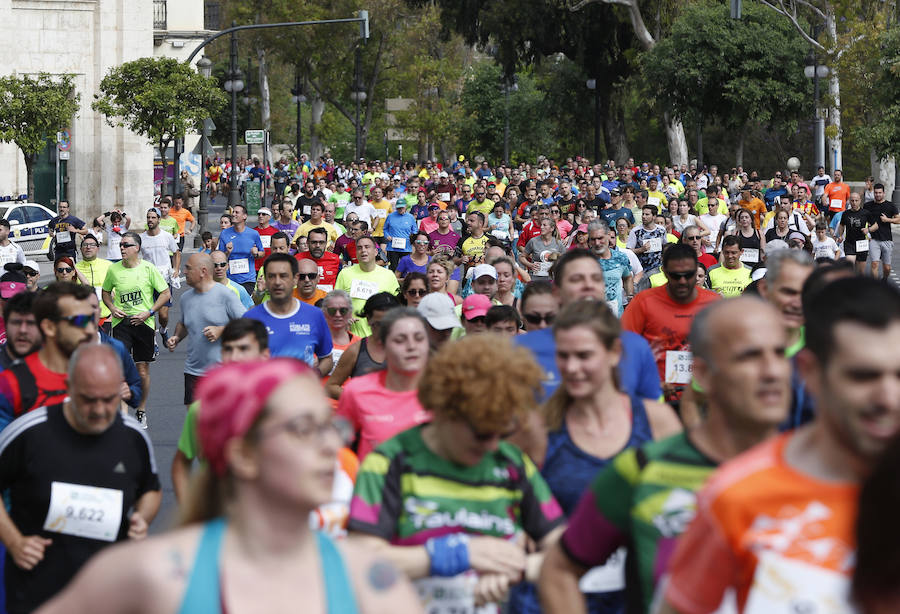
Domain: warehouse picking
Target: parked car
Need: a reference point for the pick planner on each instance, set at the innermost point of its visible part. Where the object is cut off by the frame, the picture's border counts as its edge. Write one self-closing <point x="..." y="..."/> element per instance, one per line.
<point x="29" y="225"/>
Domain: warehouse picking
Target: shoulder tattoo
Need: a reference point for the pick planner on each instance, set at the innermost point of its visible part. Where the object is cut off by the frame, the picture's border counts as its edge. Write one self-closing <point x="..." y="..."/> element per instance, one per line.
<point x="382" y="575"/>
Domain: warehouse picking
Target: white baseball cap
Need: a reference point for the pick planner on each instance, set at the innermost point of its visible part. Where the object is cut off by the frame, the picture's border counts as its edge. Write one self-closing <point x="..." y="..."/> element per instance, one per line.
<point x="439" y="310"/>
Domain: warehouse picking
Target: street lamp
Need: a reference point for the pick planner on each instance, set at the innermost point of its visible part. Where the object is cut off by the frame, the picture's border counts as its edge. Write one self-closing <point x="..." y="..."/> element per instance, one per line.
<point x="249" y="101"/>
<point x="815" y="71"/>
<point x="204" y="65"/>
<point x="507" y="88"/>
<point x="358" y="95"/>
<point x="592" y="85"/>
<point x="298" y="98"/>
<point x="233" y="85"/>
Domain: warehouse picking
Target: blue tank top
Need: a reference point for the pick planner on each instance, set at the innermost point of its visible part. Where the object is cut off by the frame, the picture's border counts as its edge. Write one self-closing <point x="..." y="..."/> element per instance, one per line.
<point x="568" y="471"/>
<point x="204" y="591"/>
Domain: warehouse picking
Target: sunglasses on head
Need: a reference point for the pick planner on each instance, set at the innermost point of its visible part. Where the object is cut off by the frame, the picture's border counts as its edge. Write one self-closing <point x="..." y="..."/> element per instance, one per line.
<point x="537" y="318"/>
<point x="79" y="321"/>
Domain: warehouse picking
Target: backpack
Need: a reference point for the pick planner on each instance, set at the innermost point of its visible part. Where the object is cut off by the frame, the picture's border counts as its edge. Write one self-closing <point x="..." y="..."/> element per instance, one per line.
<point x="29" y="393"/>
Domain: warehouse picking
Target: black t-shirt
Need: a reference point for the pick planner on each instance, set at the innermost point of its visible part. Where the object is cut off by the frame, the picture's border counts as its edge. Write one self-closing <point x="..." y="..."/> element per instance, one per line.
<point x="306" y="201"/>
<point x="61" y="225"/>
<point x="566" y="205"/>
<point x="854" y="222"/>
<point x="883" y="233"/>
<point x="41" y="453"/>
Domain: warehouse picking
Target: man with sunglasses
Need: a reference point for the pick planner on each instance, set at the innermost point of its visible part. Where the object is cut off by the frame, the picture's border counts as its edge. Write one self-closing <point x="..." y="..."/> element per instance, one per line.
<point x="481" y="203"/>
<point x="307" y="289"/>
<point x="140" y="292"/>
<point x="358" y="206"/>
<point x="65" y="319"/>
<point x="663" y="316"/>
<point x="220" y="275"/>
<point x="94" y="270"/>
<point x="328" y="263"/>
<point x="205" y="310"/>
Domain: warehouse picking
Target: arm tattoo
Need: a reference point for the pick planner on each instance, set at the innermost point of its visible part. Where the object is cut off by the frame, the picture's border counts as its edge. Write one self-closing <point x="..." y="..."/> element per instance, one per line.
<point x="382" y="575"/>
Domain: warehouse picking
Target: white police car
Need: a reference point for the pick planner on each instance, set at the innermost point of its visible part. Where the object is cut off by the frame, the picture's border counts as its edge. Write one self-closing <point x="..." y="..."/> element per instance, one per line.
<point x="29" y="224"/>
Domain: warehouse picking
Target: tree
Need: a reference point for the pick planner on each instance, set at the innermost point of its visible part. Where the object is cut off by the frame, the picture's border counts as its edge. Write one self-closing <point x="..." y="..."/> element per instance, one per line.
<point x="713" y="68"/>
<point x="32" y="110"/>
<point x="881" y="130"/>
<point x="159" y="98"/>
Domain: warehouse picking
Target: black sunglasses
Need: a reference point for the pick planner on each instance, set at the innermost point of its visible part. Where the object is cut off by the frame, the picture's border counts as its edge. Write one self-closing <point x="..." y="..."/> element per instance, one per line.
<point x="417" y="292"/>
<point x="307" y="275"/>
<point x="64" y="269"/>
<point x="537" y="318"/>
<point x="333" y="311"/>
<point x="220" y="265"/>
<point x="688" y="275"/>
<point x="79" y="321"/>
<point x="127" y="245"/>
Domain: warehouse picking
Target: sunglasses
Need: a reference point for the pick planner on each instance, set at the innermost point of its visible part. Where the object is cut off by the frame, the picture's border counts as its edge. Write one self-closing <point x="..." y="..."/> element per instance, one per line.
<point x="417" y="292"/>
<point x="688" y="275"/>
<point x="696" y="238"/>
<point x="333" y="311"/>
<point x="421" y="242"/>
<point x="307" y="275"/>
<point x="537" y="318"/>
<point x="32" y="273"/>
<point x="124" y="245"/>
<point x="79" y="321"/>
<point x="64" y="269"/>
<point x="220" y="265"/>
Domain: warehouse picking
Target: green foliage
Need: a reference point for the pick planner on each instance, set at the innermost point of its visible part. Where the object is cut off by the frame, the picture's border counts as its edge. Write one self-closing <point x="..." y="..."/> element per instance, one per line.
<point x="160" y="98"/>
<point x="34" y="109"/>
<point x="733" y="72"/>
<point x="878" y="66"/>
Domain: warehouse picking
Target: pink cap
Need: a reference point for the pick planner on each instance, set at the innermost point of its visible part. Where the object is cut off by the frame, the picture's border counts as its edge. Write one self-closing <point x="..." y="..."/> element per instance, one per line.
<point x="9" y="289"/>
<point x="231" y="398"/>
<point x="581" y="228"/>
<point x="475" y="306"/>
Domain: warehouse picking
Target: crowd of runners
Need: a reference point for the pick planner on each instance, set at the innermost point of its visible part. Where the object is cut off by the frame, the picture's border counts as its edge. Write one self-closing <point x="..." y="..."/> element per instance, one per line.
<point x="459" y="388"/>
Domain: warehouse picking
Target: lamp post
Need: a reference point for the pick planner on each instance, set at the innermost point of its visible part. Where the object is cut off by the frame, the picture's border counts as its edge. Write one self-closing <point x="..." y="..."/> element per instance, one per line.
<point x="204" y="65"/>
<point x="233" y="85"/>
<point x="358" y="95"/>
<point x="507" y="88"/>
<point x="813" y="70"/>
<point x="298" y="98"/>
<point x="592" y="85"/>
<point x="249" y="101"/>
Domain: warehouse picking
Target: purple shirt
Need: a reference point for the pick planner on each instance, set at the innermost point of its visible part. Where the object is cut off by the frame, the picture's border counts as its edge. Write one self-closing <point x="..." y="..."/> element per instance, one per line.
<point x="443" y="243"/>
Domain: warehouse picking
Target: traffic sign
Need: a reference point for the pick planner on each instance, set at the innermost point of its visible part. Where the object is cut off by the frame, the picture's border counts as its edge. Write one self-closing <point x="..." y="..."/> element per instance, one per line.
<point x="63" y="155"/>
<point x="254" y="137"/>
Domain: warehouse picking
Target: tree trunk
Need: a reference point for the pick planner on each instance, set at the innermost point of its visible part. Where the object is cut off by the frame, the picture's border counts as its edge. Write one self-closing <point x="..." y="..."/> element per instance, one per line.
<point x="164" y="184"/>
<point x="29" y="174"/>
<point x="678" y="151"/>
<point x="884" y="171"/>
<point x="835" y="143"/>
<point x="265" y="111"/>
<point x="739" y="154"/>
<point x="317" y="108"/>
<point x="614" y="133"/>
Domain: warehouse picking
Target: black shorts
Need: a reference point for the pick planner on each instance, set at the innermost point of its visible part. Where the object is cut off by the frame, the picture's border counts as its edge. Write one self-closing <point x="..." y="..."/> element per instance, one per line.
<point x="138" y="340"/>
<point x="169" y="302"/>
<point x="190" y="382"/>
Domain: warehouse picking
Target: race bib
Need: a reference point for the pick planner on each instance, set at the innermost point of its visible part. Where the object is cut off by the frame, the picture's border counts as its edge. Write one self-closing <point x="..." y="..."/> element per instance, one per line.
<point x="781" y="584"/>
<point x="307" y="209"/>
<point x="445" y="196"/>
<point x="362" y="289"/>
<point x="266" y="241"/>
<point x="655" y="244"/>
<point x="84" y="511"/>
<point x="836" y="204"/>
<point x="544" y="268"/>
<point x="398" y="243"/>
<point x="653" y="200"/>
<point x="63" y="237"/>
<point x="238" y="266"/>
<point x="862" y="246"/>
<point x="607" y="577"/>
<point x="750" y="255"/>
<point x="382" y="213"/>
<point x="678" y="367"/>
<point x="325" y="287"/>
<point x="454" y="595"/>
<point x="500" y="234"/>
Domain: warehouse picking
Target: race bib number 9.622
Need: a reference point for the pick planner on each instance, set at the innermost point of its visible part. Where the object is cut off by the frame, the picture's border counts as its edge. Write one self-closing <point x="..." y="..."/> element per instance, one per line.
<point x="84" y="511"/>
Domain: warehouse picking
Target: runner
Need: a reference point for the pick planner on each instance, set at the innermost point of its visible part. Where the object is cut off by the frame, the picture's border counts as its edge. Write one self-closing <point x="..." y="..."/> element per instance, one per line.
<point x="241" y="245"/>
<point x="23" y="336"/>
<point x="265" y="232"/>
<point x="205" y="310"/>
<point x="220" y="275"/>
<point x="135" y="282"/>
<point x="336" y="309"/>
<point x="9" y="251"/>
<point x="183" y="216"/>
<point x="617" y="274"/>
<point x="246" y="543"/>
<point x="881" y="246"/>
<point x="799" y="533"/>
<point x="328" y="263"/>
<point x="646" y="497"/>
<point x="79" y="476"/>
<point x="94" y="269"/>
<point x="731" y="277"/>
<point x="381" y="404"/>
<point x="365" y="279"/>
<point x="448" y="501"/>
<point x="63" y="229"/>
<point x="295" y="329"/>
<point x="156" y="247"/>
<point x="854" y="230"/>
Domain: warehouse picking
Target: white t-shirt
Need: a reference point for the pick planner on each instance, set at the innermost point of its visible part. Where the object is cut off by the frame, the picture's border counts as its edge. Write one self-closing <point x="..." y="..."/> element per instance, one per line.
<point x="11" y="253"/>
<point x="713" y="222"/>
<point x="825" y="249"/>
<point x="156" y="249"/>
<point x="633" y="261"/>
<point x="795" y="222"/>
<point x="366" y="212"/>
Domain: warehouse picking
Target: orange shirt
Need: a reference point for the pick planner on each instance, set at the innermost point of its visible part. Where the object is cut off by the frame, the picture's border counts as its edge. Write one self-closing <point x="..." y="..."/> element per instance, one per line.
<point x="836" y="195"/>
<point x="317" y="296"/>
<point x="756" y="207"/>
<point x="774" y="535"/>
<point x="664" y="323"/>
<point x="181" y="216"/>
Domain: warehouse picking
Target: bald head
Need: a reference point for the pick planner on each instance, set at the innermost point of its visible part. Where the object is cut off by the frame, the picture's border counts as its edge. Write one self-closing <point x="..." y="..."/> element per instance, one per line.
<point x="95" y="388"/>
<point x="201" y="262"/>
<point x="714" y="324"/>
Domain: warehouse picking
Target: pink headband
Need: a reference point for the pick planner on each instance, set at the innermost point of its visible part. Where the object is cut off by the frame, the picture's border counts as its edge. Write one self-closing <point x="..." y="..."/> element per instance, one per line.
<point x="231" y="398"/>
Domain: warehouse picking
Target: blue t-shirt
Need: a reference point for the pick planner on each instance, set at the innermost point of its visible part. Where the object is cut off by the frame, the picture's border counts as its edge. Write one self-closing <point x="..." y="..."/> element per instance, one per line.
<point x="241" y="263"/>
<point x="406" y="266"/>
<point x="400" y="226"/>
<point x="302" y="334"/>
<point x="615" y="268"/>
<point x="638" y="374"/>
<point x="611" y="215"/>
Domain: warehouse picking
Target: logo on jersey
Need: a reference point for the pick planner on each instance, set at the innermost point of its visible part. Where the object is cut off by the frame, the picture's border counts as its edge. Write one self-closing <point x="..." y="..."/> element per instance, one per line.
<point x="677" y="512"/>
<point x="425" y="515"/>
<point x="303" y="329"/>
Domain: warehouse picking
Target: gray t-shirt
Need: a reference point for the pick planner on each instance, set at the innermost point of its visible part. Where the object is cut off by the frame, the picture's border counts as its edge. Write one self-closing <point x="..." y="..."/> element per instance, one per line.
<point x="215" y="307"/>
<point x="540" y="253"/>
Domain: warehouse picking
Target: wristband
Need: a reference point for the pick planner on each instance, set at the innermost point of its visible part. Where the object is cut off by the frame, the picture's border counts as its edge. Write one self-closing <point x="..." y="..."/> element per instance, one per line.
<point x="152" y="313"/>
<point x="449" y="554"/>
